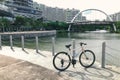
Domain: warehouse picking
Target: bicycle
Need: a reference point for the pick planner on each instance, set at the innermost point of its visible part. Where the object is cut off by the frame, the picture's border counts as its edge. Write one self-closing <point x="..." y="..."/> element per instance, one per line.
<point x="62" y="60"/>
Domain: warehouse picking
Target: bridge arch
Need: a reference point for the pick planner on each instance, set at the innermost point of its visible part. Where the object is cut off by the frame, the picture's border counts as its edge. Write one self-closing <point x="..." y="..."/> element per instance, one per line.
<point x="94" y="10"/>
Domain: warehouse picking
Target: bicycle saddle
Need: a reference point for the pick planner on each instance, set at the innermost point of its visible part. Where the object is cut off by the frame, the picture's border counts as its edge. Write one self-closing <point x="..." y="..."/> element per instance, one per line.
<point x="68" y="46"/>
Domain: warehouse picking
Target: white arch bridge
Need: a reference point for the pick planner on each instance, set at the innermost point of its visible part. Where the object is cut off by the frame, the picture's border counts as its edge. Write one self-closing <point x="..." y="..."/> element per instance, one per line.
<point x="109" y="22"/>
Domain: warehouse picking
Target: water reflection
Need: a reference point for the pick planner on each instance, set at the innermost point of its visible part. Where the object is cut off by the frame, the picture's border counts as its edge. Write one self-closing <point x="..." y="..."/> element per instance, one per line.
<point x="97" y="36"/>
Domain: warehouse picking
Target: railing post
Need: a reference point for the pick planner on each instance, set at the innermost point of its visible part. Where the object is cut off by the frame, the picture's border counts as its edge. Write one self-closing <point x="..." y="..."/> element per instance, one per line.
<point x="36" y="38"/>
<point x="73" y="44"/>
<point x="0" y="42"/>
<point x="103" y="55"/>
<point x="22" y="42"/>
<point x="11" y="42"/>
<point x="53" y="46"/>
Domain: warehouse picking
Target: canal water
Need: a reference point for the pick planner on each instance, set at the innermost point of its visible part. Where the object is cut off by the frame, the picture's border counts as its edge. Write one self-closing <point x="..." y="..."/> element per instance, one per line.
<point x="94" y="42"/>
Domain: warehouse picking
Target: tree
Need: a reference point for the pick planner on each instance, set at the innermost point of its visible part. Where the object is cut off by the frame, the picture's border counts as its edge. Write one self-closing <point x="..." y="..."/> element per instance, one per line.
<point x="118" y="26"/>
<point x="2" y="0"/>
<point x="4" y="24"/>
<point x="37" y="25"/>
<point x="19" y="22"/>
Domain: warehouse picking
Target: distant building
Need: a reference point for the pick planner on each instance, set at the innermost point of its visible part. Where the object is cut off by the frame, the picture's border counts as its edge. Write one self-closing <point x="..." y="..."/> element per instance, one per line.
<point x="4" y="11"/>
<point x="57" y="14"/>
<point x="84" y="18"/>
<point x="23" y="8"/>
<point x="3" y="7"/>
<point x="115" y="17"/>
<point x="70" y="13"/>
<point x="50" y="13"/>
<point x="28" y="8"/>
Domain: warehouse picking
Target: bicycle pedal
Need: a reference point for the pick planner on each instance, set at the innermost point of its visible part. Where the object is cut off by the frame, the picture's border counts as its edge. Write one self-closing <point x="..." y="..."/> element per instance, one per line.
<point x="73" y="62"/>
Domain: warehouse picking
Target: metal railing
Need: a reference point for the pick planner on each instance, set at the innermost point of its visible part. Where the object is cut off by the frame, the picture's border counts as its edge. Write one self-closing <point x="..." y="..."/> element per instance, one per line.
<point x="110" y="55"/>
<point x="23" y="43"/>
<point x="106" y="55"/>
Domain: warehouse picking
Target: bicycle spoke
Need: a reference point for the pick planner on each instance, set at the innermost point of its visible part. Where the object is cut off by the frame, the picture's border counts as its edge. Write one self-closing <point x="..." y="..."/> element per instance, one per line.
<point x="87" y="58"/>
<point x="61" y="61"/>
<point x="65" y="60"/>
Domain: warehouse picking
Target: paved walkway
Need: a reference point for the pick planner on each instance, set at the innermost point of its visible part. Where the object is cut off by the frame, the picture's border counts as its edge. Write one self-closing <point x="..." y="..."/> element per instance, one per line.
<point x="12" y="69"/>
<point x="15" y="69"/>
<point x="44" y="59"/>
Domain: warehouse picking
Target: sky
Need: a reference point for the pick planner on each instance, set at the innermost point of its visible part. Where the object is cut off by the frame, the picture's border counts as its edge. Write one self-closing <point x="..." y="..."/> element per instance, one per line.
<point x="108" y="6"/>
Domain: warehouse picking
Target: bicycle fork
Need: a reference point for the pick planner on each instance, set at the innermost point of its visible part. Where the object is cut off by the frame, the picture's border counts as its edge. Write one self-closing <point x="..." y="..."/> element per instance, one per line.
<point x="84" y="53"/>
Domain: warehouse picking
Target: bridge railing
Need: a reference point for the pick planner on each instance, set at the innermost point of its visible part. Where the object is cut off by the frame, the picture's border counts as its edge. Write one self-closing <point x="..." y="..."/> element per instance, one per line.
<point x="91" y="22"/>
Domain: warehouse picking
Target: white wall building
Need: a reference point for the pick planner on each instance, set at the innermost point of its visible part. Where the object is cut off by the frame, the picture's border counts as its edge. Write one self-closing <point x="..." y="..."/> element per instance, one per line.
<point x="70" y="13"/>
<point x="57" y="14"/>
<point x="23" y="8"/>
<point x="115" y="17"/>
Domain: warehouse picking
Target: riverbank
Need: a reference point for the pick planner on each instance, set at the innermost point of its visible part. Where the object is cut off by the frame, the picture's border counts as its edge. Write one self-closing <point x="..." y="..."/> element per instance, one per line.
<point x="28" y="34"/>
<point x="38" y="63"/>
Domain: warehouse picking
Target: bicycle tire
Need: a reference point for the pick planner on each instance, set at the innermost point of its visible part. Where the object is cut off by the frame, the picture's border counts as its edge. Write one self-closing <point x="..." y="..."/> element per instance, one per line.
<point x="86" y="63"/>
<point x="64" y="56"/>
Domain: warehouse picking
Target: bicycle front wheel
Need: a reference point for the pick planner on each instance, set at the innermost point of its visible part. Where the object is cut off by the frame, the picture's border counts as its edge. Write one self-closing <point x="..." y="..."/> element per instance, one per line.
<point x="61" y="61"/>
<point x="87" y="58"/>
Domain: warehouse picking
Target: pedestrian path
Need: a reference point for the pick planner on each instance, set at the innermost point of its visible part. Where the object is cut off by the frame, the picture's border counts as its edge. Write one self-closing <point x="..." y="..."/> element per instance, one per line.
<point x="15" y="69"/>
<point x="44" y="59"/>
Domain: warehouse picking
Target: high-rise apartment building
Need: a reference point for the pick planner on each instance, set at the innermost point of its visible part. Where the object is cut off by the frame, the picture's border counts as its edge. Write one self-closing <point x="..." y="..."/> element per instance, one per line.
<point x="50" y="13"/>
<point x="57" y="14"/>
<point x="4" y="11"/>
<point x="115" y="17"/>
<point x="70" y="13"/>
<point x="26" y="3"/>
<point x="23" y="8"/>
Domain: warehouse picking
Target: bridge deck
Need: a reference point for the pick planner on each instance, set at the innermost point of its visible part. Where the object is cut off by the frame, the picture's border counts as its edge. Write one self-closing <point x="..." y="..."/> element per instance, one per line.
<point x="92" y="22"/>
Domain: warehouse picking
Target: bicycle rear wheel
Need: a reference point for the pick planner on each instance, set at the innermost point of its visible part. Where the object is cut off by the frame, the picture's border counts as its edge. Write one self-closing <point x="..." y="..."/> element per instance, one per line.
<point x="87" y="58"/>
<point x="61" y="61"/>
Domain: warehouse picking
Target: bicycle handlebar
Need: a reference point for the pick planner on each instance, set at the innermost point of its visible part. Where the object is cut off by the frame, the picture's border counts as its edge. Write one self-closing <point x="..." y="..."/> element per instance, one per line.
<point x="69" y="45"/>
<point x="81" y="43"/>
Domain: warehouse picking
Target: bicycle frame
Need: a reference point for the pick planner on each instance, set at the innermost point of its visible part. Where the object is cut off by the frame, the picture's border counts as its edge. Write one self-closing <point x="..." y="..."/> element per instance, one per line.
<point x="73" y="54"/>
